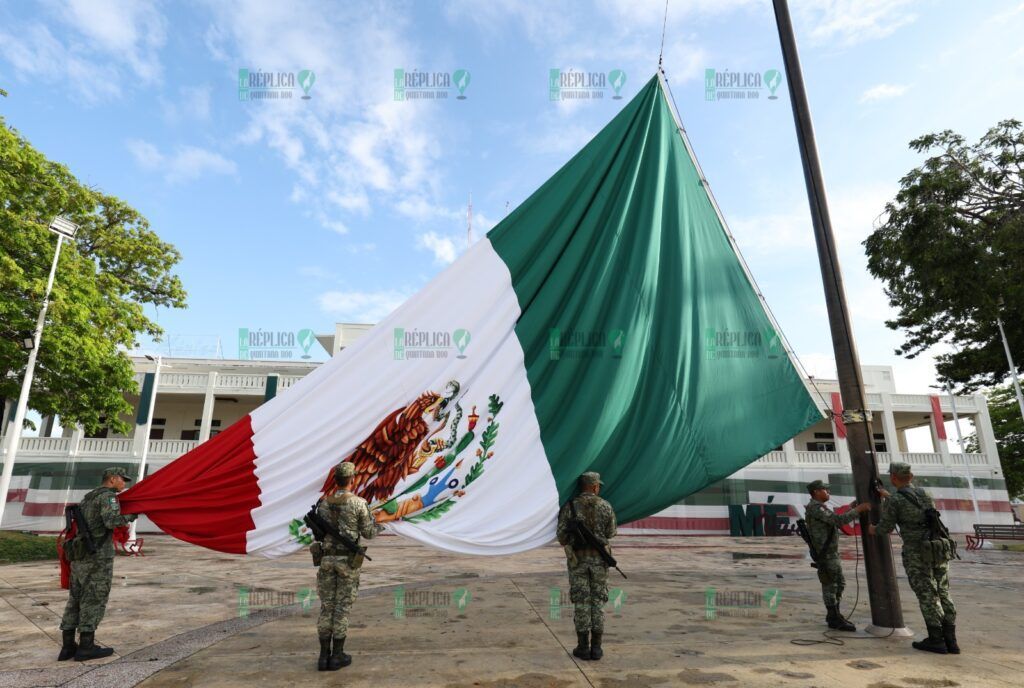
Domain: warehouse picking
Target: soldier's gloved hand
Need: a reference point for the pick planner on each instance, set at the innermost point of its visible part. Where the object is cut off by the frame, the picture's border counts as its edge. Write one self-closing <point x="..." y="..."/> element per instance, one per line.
<point x="130" y="517"/>
<point x="379" y="528"/>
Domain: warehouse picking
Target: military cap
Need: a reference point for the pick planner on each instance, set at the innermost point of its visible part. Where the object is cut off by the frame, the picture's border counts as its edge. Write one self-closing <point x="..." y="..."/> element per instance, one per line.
<point x="817" y="485"/>
<point x="344" y="470"/>
<point x="899" y="468"/>
<point x="591" y="478"/>
<point x="116" y="470"/>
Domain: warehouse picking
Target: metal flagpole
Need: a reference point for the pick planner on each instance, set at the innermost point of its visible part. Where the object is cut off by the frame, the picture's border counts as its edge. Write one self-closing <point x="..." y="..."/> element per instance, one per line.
<point x="62" y="228"/>
<point x="883" y="593"/>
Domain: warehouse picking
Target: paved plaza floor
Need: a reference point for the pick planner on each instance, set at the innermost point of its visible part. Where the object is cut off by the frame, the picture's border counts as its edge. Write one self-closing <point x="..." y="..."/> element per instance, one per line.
<point x="695" y="611"/>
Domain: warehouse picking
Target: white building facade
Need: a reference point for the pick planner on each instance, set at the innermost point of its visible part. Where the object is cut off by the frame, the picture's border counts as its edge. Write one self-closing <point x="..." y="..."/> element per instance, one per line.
<point x="196" y="398"/>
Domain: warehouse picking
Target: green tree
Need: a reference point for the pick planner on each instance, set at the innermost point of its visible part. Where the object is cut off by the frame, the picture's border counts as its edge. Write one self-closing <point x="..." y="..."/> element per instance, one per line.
<point x="115" y="266"/>
<point x="1008" y="427"/>
<point x="950" y="253"/>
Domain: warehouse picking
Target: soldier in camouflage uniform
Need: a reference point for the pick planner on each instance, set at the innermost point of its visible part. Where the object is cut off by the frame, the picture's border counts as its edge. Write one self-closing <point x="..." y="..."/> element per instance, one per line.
<point x="92" y="573"/>
<point x="929" y="579"/>
<point x="823" y="525"/>
<point x="337" y="579"/>
<point x="588" y="574"/>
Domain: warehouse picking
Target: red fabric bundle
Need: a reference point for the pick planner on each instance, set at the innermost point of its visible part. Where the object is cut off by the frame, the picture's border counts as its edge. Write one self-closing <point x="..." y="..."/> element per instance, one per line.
<point x="65" y="565"/>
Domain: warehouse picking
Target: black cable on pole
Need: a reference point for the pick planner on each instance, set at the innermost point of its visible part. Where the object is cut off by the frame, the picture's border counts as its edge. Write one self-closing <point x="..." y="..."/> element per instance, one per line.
<point x="664" y="23"/>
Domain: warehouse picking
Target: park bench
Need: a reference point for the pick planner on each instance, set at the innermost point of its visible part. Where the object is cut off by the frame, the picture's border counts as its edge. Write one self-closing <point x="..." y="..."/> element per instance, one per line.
<point x="983" y="531"/>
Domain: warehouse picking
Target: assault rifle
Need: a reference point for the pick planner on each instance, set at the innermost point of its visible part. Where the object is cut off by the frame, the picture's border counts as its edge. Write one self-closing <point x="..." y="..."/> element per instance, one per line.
<point x="586" y="536"/>
<point x="321" y="529"/>
<point x="805" y="533"/>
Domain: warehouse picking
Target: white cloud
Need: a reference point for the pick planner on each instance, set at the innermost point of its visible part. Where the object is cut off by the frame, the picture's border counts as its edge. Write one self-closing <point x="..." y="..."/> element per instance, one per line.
<point x="848" y="22"/>
<point x="361" y="306"/>
<point x="422" y="209"/>
<point x="190" y="103"/>
<point x="855" y="211"/>
<point x="883" y="92"/>
<point x="35" y="54"/>
<point x="443" y="247"/>
<point x="187" y="163"/>
<point x="352" y="146"/>
<point x="145" y="153"/>
<point x="132" y="30"/>
<point x="92" y="50"/>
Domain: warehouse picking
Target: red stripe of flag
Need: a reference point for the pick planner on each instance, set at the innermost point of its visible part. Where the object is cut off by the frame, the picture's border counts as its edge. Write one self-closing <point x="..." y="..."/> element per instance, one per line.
<point x="206" y="496"/>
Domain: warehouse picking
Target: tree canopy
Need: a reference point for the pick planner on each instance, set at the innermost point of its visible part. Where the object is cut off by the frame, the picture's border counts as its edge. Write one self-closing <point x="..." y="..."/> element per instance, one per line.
<point x="1008" y="427"/>
<point x="106" y="275"/>
<point x="950" y="253"/>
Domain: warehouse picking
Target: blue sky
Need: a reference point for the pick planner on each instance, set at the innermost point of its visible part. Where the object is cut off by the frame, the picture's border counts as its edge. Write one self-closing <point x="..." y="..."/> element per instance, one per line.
<point x="300" y="213"/>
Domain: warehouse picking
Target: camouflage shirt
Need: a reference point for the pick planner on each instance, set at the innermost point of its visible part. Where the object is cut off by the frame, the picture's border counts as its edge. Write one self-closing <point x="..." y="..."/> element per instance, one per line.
<point x="350" y="514"/>
<point x="821" y="522"/>
<point x="593" y="511"/>
<point x="102" y="513"/>
<point x="898" y="510"/>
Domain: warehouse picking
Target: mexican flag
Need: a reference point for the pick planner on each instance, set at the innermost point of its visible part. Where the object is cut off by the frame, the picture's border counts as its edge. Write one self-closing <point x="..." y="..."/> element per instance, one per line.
<point x="607" y="324"/>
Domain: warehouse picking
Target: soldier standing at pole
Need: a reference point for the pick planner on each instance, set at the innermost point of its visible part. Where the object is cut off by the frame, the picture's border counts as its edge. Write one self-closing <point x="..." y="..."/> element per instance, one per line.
<point x="823" y="525"/>
<point x="588" y="572"/>
<point x="925" y="557"/>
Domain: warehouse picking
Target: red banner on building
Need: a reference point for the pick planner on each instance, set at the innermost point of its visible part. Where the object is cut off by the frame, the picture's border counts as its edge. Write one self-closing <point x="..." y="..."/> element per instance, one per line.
<point x="837" y="418"/>
<point x="940" y="424"/>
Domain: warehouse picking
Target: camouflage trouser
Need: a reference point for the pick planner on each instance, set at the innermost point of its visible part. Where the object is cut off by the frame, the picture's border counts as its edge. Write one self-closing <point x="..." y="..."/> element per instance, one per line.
<point x="337" y="584"/>
<point x="90" y="588"/>
<point x="931" y="585"/>
<point x="588" y="591"/>
<point x="830" y="574"/>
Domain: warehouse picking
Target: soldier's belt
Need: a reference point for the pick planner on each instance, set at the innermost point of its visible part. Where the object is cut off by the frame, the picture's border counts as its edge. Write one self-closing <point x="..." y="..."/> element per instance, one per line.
<point x="586" y="550"/>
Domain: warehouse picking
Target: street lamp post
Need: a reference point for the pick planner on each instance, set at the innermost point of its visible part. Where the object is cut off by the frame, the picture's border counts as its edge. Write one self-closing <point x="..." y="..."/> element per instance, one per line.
<point x="149" y="429"/>
<point x="1009" y="360"/>
<point x="963" y="453"/>
<point x="64" y="229"/>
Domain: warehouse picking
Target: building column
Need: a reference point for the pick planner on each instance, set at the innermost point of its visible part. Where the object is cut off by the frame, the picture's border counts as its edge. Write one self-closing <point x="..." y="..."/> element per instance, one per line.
<point x="208" y="402"/>
<point x="76" y="439"/>
<point x="46" y="427"/>
<point x="140" y="436"/>
<point x="271" y="387"/>
<point x="892" y="438"/>
<point x="7" y="419"/>
<point x="789" y="448"/>
<point x="983" y="429"/>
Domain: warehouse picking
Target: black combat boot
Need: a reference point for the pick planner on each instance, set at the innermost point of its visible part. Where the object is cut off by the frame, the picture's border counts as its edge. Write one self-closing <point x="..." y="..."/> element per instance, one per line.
<point x="595" y="645"/>
<point x="949" y="635"/>
<point x="69" y="648"/>
<point x="325" y="653"/>
<point x="933" y="643"/>
<point x="836" y="621"/>
<point x="338" y="657"/>
<point x="88" y="649"/>
<point x="582" y="649"/>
